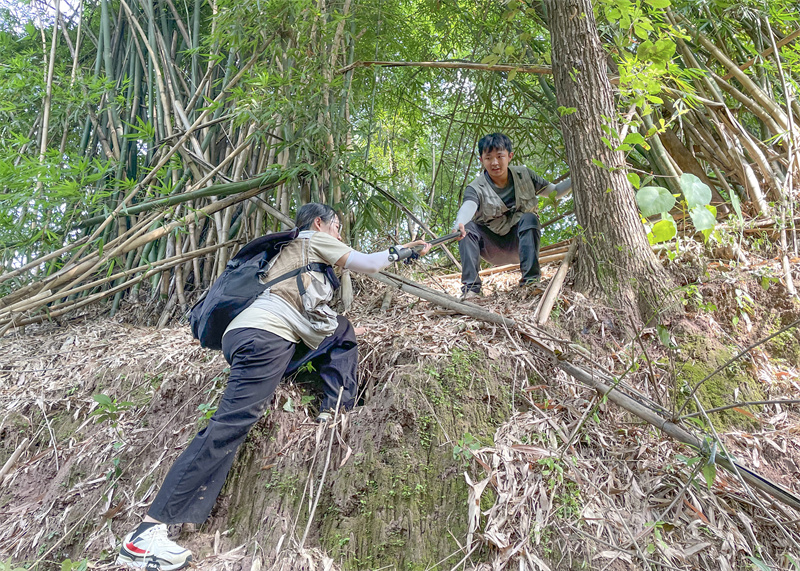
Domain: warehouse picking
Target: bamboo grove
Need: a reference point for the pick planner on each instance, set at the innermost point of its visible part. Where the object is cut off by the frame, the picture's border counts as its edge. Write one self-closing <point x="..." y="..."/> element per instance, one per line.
<point x="142" y="142"/>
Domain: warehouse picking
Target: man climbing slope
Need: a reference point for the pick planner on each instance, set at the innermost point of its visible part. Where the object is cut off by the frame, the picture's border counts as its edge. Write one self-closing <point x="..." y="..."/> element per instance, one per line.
<point x="498" y="218"/>
<point x="272" y="338"/>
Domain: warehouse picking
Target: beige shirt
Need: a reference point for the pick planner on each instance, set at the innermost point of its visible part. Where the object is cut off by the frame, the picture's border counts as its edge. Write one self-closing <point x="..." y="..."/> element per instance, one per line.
<point x="322" y="248"/>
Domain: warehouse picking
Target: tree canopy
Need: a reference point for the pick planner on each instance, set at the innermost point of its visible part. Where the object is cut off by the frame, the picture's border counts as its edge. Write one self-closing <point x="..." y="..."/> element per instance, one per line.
<point x="148" y="140"/>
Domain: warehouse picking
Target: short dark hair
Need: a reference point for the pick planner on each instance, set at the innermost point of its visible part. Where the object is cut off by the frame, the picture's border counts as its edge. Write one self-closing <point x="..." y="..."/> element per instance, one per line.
<point x="310" y="212"/>
<point x="494" y="141"/>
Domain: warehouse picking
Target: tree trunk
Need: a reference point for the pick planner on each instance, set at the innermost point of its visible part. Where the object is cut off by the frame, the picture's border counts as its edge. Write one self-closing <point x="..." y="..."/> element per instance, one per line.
<point x="615" y="260"/>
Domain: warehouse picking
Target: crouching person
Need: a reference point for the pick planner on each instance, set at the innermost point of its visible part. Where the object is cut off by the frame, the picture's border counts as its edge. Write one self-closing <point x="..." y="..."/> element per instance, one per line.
<point x="272" y="338"/>
<point x="498" y="218"/>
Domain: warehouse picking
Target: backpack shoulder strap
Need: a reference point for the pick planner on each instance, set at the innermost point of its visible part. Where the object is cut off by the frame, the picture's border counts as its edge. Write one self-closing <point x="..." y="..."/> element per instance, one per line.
<point x="312" y="267"/>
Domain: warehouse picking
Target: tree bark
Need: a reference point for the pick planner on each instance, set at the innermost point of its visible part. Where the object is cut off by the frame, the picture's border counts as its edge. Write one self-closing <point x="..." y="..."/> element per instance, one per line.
<point x="615" y="261"/>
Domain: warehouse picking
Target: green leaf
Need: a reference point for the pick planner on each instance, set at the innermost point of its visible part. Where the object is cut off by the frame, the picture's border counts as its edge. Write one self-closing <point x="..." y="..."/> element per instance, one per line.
<point x="758" y="563"/>
<point x="663" y="335"/>
<point x="737" y="205"/>
<point x="694" y="190"/>
<point x="658" y="3"/>
<point x="103" y="400"/>
<point x="663" y="231"/>
<point x="709" y="473"/>
<point x="664" y="50"/>
<point x="654" y="200"/>
<point x="702" y="218"/>
<point x="634" y="138"/>
<point x="634" y="179"/>
<point x="288" y="406"/>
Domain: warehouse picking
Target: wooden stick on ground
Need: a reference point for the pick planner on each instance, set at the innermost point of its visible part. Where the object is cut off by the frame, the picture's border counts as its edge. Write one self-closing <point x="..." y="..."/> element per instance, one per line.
<point x="13" y="458"/>
<point x="554" y="287"/>
<point x="546" y="259"/>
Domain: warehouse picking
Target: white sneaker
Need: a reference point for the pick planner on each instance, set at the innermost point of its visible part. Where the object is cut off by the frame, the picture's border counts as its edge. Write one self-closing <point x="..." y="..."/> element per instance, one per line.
<point x="153" y="550"/>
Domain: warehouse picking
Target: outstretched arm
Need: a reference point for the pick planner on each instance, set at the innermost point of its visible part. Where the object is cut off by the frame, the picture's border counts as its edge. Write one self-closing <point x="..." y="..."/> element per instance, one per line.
<point x="375" y="262"/>
<point x="464" y="215"/>
<point x="562" y="188"/>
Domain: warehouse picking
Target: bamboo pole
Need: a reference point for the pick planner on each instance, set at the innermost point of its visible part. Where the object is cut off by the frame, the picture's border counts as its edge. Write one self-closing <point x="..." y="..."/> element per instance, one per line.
<point x="541" y="69"/>
<point x="554" y="287"/>
<point x="265" y="179"/>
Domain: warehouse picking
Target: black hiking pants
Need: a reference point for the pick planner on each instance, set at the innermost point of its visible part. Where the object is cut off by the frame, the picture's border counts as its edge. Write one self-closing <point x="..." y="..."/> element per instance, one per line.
<point x="259" y="360"/>
<point x="520" y="245"/>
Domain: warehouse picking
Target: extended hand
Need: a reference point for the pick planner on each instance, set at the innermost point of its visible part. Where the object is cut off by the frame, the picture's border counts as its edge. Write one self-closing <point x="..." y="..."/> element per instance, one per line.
<point x="425" y="246"/>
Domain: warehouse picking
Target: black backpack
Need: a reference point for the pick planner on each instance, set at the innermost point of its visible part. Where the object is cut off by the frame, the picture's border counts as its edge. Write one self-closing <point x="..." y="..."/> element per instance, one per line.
<point x="240" y="284"/>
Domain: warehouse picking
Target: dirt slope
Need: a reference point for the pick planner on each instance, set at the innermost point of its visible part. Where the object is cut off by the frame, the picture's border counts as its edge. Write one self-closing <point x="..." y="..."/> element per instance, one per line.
<point x="467" y="448"/>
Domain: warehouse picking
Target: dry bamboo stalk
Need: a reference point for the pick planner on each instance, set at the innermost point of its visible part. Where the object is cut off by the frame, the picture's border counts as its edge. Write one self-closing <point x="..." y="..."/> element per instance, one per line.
<point x="554" y="287"/>
<point x="49" y="296"/>
<point x="39" y="261"/>
<point x="80" y="271"/>
<point x="511" y="267"/>
<point x="542" y="69"/>
<point x="59" y="310"/>
<point x="13" y="458"/>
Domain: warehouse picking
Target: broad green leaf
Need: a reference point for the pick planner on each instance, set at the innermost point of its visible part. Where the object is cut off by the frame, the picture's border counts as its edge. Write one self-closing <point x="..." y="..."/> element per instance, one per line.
<point x="633" y="138"/>
<point x="663" y="335"/>
<point x="634" y="179"/>
<point x="663" y="231"/>
<point x="102" y="400"/>
<point x="664" y="50"/>
<point x="645" y="50"/>
<point x="702" y="218"/>
<point x="654" y="200"/>
<point x="658" y="3"/>
<point x="694" y="190"/>
<point x="288" y="406"/>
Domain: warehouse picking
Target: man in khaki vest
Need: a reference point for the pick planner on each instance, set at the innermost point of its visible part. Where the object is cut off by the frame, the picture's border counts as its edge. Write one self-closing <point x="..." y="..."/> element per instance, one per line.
<point x="498" y="218"/>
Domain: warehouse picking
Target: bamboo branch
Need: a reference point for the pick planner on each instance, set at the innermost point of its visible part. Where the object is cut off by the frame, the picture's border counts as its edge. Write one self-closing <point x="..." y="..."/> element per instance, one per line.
<point x="543" y="69"/>
<point x="226" y="189"/>
<point x="767" y="52"/>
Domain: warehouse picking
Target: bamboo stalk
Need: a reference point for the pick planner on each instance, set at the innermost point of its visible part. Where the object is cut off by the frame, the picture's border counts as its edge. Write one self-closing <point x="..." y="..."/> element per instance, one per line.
<point x="554" y="287"/>
<point x="541" y="69"/>
<point x="766" y="53"/>
<point x="748" y="84"/>
<point x="266" y="179"/>
<point x="39" y="261"/>
<point x="545" y="257"/>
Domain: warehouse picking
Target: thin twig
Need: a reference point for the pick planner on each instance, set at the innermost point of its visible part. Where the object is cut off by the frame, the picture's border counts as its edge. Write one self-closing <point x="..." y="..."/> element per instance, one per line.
<point x="324" y="471"/>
